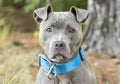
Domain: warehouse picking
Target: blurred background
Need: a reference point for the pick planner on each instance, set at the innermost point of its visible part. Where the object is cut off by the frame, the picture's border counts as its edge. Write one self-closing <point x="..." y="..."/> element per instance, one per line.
<point x="19" y="44"/>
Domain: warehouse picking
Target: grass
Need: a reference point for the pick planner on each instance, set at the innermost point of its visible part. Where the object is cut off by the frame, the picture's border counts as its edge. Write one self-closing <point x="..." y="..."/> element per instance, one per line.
<point x="15" y="66"/>
<point x="18" y="64"/>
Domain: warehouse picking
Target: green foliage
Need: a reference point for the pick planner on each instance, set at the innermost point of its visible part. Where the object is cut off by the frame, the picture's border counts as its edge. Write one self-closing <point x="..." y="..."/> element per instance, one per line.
<point x="30" y="5"/>
<point x="1" y="1"/>
<point x="26" y="5"/>
<point x="35" y="34"/>
<point x="5" y="33"/>
<point x="65" y="5"/>
<point x="16" y="1"/>
<point x="4" y="29"/>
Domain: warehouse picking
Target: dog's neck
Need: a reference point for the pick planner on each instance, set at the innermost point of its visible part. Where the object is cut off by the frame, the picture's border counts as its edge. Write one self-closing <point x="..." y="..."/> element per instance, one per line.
<point x="61" y="68"/>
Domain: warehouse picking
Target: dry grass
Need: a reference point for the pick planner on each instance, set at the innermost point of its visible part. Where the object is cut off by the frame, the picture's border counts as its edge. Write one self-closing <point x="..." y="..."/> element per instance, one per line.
<point x="15" y="66"/>
<point x="18" y="64"/>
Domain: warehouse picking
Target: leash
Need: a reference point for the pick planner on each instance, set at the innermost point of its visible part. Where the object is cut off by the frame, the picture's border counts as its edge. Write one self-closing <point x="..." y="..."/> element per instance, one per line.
<point x="61" y="68"/>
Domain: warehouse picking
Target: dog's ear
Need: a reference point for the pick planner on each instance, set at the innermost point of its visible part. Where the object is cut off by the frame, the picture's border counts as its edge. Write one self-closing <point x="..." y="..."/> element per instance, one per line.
<point x="80" y="14"/>
<point x="42" y="13"/>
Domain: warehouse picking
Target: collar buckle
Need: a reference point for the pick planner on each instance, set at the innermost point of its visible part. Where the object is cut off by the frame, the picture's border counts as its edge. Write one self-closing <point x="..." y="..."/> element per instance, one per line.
<point x="49" y="72"/>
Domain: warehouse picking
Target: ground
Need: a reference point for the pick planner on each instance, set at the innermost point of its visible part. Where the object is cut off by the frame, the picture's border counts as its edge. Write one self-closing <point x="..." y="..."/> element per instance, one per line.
<point x="19" y="61"/>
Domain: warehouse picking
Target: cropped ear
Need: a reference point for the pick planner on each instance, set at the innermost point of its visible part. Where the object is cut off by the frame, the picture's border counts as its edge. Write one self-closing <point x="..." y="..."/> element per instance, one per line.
<point x="42" y="13"/>
<point x="80" y="14"/>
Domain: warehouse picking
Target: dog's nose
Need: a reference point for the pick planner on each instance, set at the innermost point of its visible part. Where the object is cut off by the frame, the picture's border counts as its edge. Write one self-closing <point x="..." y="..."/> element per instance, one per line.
<point x="59" y="45"/>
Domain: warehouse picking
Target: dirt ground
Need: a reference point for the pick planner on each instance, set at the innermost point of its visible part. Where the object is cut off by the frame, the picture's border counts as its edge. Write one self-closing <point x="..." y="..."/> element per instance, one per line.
<point x="107" y="69"/>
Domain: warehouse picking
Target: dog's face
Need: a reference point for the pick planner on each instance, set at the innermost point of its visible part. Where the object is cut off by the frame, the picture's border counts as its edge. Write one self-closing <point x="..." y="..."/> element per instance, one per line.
<point x="60" y="32"/>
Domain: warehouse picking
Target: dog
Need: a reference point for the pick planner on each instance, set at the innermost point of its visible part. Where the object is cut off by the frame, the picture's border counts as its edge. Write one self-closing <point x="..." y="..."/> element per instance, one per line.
<point x="60" y="35"/>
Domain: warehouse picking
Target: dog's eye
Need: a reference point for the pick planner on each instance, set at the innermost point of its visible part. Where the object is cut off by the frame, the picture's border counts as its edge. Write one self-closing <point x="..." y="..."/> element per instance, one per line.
<point x="49" y="29"/>
<point x="71" y="30"/>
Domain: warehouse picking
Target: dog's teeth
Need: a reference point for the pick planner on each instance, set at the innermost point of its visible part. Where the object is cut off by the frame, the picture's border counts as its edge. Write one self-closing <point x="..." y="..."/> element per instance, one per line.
<point x="59" y="57"/>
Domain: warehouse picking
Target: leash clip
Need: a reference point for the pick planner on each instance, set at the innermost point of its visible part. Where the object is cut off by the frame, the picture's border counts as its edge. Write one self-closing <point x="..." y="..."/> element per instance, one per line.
<point x="49" y="72"/>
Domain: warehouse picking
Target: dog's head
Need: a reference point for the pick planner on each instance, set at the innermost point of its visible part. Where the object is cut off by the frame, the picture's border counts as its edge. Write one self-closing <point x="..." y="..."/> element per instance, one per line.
<point x="60" y="32"/>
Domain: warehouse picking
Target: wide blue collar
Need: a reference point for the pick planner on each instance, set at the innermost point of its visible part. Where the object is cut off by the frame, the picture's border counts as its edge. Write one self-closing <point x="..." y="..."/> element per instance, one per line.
<point x="62" y="68"/>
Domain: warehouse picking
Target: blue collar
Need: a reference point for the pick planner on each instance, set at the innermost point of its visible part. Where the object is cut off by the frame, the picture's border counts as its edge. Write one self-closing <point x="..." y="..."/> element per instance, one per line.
<point x="62" y="68"/>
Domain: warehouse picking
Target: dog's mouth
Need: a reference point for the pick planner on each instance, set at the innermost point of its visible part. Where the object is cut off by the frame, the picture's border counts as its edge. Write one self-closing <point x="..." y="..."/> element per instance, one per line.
<point x="58" y="58"/>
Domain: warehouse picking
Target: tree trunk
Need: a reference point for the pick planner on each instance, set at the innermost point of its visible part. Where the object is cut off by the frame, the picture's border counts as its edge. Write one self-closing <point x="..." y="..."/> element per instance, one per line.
<point x="104" y="24"/>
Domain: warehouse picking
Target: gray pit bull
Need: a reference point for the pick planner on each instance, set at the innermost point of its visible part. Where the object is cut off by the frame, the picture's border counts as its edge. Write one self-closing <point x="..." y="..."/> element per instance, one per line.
<point x="61" y="35"/>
